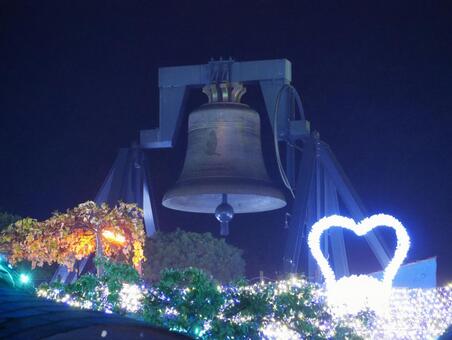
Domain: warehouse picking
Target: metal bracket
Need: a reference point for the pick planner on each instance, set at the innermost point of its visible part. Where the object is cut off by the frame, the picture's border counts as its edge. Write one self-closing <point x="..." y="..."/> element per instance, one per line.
<point x="220" y="70"/>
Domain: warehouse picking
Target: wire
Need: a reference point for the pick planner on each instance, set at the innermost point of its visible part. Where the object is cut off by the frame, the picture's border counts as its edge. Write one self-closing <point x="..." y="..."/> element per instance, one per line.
<point x="275" y="131"/>
<point x="295" y="146"/>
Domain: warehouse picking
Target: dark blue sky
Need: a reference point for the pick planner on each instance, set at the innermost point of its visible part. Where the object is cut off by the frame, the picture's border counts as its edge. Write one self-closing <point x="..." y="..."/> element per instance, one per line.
<point x="79" y="80"/>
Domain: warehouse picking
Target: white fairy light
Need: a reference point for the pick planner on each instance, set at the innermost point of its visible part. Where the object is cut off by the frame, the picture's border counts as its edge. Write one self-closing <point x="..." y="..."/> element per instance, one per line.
<point x="55" y="294"/>
<point x="355" y="293"/>
<point x="410" y="314"/>
<point x="279" y="331"/>
<point x="351" y="294"/>
<point x="130" y="297"/>
<point x="171" y="312"/>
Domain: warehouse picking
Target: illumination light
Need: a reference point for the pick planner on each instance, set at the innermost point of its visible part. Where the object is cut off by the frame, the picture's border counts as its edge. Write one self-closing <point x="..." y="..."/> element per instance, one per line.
<point x="352" y="294"/>
<point x="411" y="313"/>
<point x="114" y="237"/>
<point x="130" y="297"/>
<point x="279" y="331"/>
<point x="24" y="279"/>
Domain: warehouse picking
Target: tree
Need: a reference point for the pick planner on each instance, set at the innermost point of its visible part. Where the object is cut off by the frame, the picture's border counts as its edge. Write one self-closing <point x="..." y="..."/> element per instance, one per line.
<point x="38" y="274"/>
<point x="181" y="249"/>
<point x="64" y="238"/>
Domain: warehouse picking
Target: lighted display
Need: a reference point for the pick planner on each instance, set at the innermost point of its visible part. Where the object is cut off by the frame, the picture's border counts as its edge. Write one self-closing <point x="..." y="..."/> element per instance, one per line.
<point x="411" y="313"/>
<point x="352" y="294"/>
<point x="24" y="279"/>
<point x="130" y="297"/>
<point x="113" y="237"/>
<point x="407" y="314"/>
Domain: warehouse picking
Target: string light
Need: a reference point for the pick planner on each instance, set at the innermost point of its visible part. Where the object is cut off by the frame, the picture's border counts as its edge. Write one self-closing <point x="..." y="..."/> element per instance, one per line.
<point x="59" y="296"/>
<point x="410" y="314"/>
<point x="279" y="331"/>
<point x="114" y="237"/>
<point x="130" y="297"/>
<point x="24" y="278"/>
<point x="402" y="313"/>
<point x="352" y="294"/>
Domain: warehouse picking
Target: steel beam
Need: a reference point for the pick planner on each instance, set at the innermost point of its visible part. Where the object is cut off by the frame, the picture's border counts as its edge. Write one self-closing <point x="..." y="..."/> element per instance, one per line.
<point x="351" y="201"/>
<point x="336" y="235"/>
<point x="298" y="221"/>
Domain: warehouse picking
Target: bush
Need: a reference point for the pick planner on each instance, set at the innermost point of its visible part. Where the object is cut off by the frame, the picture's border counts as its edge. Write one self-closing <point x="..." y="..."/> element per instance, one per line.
<point x="192" y="303"/>
<point x="190" y="294"/>
<point x="189" y="301"/>
<point x="181" y="249"/>
<point x="92" y="292"/>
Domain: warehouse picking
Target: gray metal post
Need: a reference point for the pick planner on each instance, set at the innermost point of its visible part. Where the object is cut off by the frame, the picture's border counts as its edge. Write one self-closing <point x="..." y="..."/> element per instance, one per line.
<point x="298" y="220"/>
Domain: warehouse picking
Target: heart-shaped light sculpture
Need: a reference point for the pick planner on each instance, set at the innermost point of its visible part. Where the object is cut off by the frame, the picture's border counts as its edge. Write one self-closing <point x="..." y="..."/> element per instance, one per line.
<point x="351" y="294"/>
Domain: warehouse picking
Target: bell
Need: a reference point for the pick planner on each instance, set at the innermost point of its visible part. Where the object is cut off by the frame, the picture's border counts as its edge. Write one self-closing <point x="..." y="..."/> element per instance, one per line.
<point x="224" y="171"/>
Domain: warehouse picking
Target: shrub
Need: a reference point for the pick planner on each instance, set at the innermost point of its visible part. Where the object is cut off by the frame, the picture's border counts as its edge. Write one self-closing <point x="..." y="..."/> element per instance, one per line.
<point x="181" y="249"/>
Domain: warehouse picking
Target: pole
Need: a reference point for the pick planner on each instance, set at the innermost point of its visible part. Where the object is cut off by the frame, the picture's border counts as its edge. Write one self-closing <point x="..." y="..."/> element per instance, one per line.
<point x="99" y="254"/>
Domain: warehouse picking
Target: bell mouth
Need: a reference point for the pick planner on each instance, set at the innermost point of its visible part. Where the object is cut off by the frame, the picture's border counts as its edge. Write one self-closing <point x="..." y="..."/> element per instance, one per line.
<point x="204" y="196"/>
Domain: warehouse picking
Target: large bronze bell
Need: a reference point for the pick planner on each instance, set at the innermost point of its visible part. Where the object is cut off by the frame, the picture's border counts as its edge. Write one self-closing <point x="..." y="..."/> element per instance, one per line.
<point x="224" y="171"/>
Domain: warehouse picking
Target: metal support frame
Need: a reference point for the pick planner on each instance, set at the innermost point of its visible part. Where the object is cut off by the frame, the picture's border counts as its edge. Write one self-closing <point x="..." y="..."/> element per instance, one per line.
<point x="174" y="83"/>
<point x="320" y="181"/>
<point x="128" y="181"/>
<point x="351" y="201"/>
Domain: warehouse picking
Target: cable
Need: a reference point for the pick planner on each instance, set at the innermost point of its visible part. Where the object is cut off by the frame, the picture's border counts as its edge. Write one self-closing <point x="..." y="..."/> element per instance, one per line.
<point x="275" y="131"/>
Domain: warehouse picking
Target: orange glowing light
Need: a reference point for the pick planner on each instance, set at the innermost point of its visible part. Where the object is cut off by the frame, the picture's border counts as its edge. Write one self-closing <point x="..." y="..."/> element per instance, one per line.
<point x="114" y="237"/>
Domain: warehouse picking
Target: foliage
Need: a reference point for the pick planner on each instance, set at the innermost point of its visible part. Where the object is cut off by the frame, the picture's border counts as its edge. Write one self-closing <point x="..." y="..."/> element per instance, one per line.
<point x="77" y="233"/>
<point x="115" y="275"/>
<point x="190" y="292"/>
<point x="38" y="274"/>
<point x="6" y="219"/>
<point x="102" y="292"/>
<point x="181" y="249"/>
<point x="191" y="302"/>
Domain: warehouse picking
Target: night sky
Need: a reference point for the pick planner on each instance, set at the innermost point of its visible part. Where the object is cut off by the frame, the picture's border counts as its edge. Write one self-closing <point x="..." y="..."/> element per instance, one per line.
<point x="78" y="80"/>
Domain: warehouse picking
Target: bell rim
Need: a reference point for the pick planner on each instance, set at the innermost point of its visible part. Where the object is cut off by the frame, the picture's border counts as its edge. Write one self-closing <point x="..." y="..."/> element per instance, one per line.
<point x="260" y="194"/>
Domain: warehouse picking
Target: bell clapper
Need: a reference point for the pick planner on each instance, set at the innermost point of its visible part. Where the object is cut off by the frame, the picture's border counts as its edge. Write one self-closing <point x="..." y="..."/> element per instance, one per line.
<point x="224" y="214"/>
<point x="286" y="220"/>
